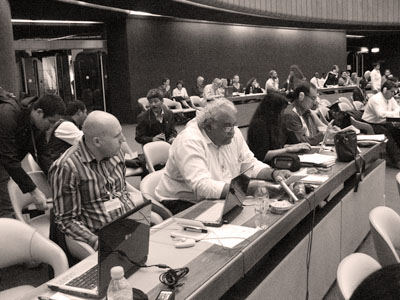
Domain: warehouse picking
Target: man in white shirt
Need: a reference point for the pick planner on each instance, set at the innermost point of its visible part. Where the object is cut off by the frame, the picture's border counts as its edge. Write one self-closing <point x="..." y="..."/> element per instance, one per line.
<point x="317" y="80"/>
<point x="376" y="78"/>
<point x="272" y="83"/>
<point x="379" y="107"/>
<point x="66" y="132"/>
<point x="212" y="91"/>
<point x="206" y="156"/>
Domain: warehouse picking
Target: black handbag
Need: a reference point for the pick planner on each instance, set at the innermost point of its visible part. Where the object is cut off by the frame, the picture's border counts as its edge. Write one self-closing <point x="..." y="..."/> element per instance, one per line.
<point x="346" y="145"/>
<point x="288" y="161"/>
<point x="347" y="150"/>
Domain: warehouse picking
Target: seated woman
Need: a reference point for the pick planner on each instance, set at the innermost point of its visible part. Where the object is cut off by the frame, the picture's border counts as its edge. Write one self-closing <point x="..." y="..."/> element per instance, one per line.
<point x="165" y="88"/>
<point x="180" y="94"/>
<point x="237" y="87"/>
<point x="266" y="136"/>
<point x="253" y="87"/>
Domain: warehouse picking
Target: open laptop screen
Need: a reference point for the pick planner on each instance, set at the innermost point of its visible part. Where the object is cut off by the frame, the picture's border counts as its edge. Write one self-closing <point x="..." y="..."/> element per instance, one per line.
<point x="128" y="235"/>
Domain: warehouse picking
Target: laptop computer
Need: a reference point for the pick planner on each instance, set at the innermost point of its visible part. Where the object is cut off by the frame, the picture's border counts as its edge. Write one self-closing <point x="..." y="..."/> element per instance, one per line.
<point x="123" y="242"/>
<point x="215" y="212"/>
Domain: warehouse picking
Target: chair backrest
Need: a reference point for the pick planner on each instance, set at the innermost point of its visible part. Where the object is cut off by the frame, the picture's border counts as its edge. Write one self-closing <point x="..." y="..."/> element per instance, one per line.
<point x="352" y="270"/>
<point x="365" y="127"/>
<point x="147" y="187"/>
<point x="358" y="105"/>
<point x="19" y="200"/>
<point x="385" y="228"/>
<point x="22" y="243"/>
<point x="398" y="181"/>
<point x="29" y="164"/>
<point x="347" y="101"/>
<point x="144" y="103"/>
<point x="197" y="101"/>
<point x="174" y="106"/>
<point x="156" y="153"/>
<point x="324" y="102"/>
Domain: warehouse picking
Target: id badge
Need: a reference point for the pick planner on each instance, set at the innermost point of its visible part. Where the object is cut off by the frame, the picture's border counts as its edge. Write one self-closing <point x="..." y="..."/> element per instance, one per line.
<point x="112" y="204"/>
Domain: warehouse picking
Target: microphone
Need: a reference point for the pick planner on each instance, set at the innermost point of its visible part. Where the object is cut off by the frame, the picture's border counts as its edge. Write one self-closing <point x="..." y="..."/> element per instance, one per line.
<point x="293" y="197"/>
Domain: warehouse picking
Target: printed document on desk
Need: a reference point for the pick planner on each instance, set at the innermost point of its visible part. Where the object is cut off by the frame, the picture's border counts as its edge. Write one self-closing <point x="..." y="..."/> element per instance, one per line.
<point x="228" y="235"/>
<point x="317" y="159"/>
<point x="371" y="137"/>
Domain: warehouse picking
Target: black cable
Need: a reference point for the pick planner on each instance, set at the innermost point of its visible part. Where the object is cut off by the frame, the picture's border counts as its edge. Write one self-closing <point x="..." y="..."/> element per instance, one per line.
<point x="309" y="246"/>
<point x="170" y="278"/>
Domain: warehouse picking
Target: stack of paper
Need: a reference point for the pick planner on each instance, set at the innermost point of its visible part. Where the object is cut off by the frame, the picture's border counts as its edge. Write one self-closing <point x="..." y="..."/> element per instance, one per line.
<point x="315" y="179"/>
<point x="317" y="159"/>
<point x="371" y="137"/>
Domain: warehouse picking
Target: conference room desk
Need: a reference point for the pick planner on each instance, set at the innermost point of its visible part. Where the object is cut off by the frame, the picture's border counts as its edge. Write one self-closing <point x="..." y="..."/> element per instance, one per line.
<point x="332" y="94"/>
<point x="280" y="251"/>
<point x="246" y="105"/>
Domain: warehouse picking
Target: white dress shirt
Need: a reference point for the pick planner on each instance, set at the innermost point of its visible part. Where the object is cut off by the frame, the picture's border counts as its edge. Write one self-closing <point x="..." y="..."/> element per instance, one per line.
<point x="378" y="109"/>
<point x="272" y="84"/>
<point x="68" y="132"/>
<point x="209" y="93"/>
<point x="197" y="169"/>
<point x="376" y="80"/>
<point x="180" y="93"/>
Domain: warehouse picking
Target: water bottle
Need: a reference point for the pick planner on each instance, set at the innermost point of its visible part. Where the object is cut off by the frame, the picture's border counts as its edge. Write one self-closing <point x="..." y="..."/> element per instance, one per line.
<point x="261" y="208"/>
<point x="251" y="90"/>
<point x="119" y="288"/>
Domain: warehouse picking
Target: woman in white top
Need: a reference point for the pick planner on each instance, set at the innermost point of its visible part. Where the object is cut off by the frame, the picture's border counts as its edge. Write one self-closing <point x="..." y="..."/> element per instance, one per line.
<point x="180" y="94"/>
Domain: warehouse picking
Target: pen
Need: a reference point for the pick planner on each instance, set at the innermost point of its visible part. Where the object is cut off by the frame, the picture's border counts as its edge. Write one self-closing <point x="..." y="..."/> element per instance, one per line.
<point x="202" y="230"/>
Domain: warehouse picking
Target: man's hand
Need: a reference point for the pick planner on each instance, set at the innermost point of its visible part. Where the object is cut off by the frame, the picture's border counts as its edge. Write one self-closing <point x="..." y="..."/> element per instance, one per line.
<point x="39" y="199"/>
<point x="285" y="174"/>
<point x="298" y="147"/>
<point x="94" y="242"/>
<point x="159" y="137"/>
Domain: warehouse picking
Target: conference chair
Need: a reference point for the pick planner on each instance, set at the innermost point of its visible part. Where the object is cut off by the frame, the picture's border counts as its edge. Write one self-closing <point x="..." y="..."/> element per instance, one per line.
<point x="385" y="228"/>
<point x="147" y="187"/>
<point x="324" y="102"/>
<point x="174" y="106"/>
<point x="29" y="164"/>
<point x="363" y="126"/>
<point x="144" y="103"/>
<point x="352" y="270"/>
<point x="348" y="102"/>
<point x="22" y="243"/>
<point x="398" y="181"/>
<point x="21" y="201"/>
<point x="156" y="153"/>
<point x="358" y="105"/>
<point x="197" y="101"/>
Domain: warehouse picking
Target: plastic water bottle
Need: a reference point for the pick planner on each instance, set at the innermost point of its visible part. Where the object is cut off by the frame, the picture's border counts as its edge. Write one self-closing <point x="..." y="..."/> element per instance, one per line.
<point x="119" y="288"/>
<point x="261" y="208"/>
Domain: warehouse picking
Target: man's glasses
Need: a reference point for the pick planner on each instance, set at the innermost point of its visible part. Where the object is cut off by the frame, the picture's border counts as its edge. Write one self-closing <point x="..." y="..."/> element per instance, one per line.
<point x="228" y="129"/>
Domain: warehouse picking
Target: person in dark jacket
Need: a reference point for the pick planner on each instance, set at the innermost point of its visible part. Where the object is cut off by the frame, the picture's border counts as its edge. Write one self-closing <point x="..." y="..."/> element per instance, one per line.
<point x="66" y="132"/>
<point x="23" y="126"/>
<point x="156" y="123"/>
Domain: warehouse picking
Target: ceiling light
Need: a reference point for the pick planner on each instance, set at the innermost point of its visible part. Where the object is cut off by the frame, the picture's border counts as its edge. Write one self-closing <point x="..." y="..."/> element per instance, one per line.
<point x="141" y="13"/>
<point x="375" y="50"/>
<point x="364" y="50"/>
<point x="24" y="21"/>
<point x="354" y="36"/>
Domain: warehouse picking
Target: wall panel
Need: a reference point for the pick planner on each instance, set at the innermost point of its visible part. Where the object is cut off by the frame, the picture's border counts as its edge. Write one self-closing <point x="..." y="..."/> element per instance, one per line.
<point x="160" y="48"/>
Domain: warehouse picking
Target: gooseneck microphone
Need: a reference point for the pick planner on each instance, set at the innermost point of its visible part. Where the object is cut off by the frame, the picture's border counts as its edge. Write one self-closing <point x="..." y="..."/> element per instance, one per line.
<point x="293" y="197"/>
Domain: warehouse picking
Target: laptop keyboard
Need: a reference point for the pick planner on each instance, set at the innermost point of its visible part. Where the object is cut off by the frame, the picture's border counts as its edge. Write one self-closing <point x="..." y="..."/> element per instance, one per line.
<point x="87" y="280"/>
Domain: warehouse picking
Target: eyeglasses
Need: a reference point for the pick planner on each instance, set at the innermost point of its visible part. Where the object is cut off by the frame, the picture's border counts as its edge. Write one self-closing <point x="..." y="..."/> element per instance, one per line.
<point x="313" y="98"/>
<point x="228" y="129"/>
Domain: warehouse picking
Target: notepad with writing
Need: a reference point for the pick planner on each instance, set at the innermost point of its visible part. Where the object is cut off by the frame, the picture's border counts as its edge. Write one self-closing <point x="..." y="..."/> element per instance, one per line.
<point x="317" y="159"/>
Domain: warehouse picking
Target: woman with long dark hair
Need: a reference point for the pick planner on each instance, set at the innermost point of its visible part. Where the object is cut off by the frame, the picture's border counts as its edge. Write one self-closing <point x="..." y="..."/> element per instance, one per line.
<point x="296" y="77"/>
<point x="253" y="87"/>
<point x="266" y="136"/>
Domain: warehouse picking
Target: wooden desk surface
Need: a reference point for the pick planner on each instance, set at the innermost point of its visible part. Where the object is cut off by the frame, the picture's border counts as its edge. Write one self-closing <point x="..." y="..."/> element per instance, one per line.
<point x="336" y="89"/>
<point x="213" y="269"/>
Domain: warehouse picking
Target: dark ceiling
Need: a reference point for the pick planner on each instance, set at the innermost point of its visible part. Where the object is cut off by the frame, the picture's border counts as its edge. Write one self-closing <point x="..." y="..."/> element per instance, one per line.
<point x="60" y="10"/>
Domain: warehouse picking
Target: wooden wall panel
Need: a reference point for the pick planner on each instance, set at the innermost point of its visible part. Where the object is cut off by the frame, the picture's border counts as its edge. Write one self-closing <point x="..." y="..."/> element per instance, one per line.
<point x="374" y="12"/>
<point x="160" y="48"/>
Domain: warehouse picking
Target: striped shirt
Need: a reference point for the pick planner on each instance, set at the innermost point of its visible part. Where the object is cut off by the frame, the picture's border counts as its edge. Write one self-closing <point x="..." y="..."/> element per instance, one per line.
<point x="81" y="186"/>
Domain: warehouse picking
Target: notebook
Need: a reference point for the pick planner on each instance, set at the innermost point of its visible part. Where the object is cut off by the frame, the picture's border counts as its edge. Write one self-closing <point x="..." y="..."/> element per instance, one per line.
<point x="126" y="236"/>
<point x="214" y="212"/>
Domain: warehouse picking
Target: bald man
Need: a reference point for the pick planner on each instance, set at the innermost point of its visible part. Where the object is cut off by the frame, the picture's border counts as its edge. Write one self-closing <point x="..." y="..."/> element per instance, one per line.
<point x="88" y="180"/>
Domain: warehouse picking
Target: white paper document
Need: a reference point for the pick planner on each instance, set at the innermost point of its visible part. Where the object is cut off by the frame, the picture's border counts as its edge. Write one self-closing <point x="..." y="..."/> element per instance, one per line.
<point x="228" y="235"/>
<point x="318" y="159"/>
<point x="371" y="137"/>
